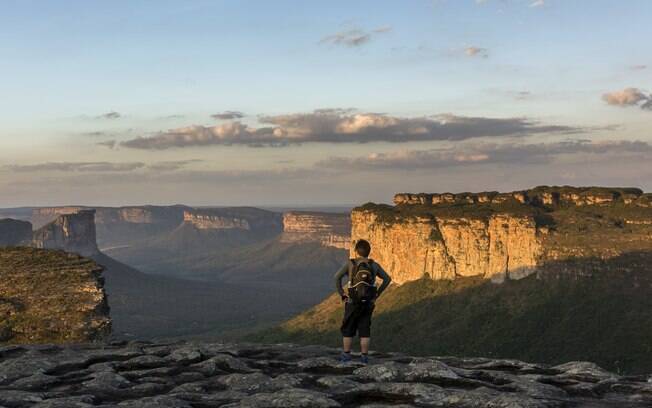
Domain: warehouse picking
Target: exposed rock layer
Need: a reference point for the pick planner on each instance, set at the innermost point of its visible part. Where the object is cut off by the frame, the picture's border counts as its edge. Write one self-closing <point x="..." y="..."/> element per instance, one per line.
<point x="498" y="236"/>
<point x="327" y="228"/>
<point x="239" y="218"/>
<point x="51" y="296"/>
<point x="166" y="215"/>
<point x="285" y="376"/>
<point x="70" y="232"/>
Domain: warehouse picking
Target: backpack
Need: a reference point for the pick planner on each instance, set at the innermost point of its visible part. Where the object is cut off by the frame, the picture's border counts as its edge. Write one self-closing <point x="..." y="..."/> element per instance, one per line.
<point x="362" y="288"/>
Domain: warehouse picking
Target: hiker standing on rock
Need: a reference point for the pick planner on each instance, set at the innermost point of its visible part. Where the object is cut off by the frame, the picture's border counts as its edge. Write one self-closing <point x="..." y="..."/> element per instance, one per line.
<point x="359" y="298"/>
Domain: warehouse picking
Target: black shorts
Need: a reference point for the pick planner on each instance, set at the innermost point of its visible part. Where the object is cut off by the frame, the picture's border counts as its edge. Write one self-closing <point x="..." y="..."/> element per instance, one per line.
<point x="357" y="319"/>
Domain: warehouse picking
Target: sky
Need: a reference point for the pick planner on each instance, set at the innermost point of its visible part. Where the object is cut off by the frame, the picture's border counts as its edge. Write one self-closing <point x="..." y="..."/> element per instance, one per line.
<point x="244" y="102"/>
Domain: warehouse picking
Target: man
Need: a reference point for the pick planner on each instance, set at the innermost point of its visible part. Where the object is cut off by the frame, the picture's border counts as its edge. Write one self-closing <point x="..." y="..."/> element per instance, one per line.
<point x="359" y="298"/>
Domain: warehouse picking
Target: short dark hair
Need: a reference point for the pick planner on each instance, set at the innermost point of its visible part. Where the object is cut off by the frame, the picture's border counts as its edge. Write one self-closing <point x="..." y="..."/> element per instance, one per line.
<point x="363" y="248"/>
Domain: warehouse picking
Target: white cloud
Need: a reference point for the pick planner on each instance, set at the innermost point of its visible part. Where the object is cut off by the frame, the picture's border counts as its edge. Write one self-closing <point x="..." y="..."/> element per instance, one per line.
<point x="343" y="126"/>
<point x="629" y="97"/>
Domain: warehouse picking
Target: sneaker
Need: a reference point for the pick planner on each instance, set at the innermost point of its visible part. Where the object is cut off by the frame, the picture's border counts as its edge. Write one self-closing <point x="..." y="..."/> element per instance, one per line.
<point x="364" y="359"/>
<point x="345" y="358"/>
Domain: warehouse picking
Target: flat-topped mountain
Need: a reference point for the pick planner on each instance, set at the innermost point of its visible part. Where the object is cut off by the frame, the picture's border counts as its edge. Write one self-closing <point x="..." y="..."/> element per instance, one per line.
<point x="329" y="229"/>
<point x="242" y="218"/>
<point x="51" y="296"/>
<point x="508" y="235"/>
<point x="74" y="232"/>
<point x="206" y="374"/>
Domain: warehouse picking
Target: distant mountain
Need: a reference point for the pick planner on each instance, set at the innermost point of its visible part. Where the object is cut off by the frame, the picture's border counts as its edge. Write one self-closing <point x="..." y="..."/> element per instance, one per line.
<point x="248" y="246"/>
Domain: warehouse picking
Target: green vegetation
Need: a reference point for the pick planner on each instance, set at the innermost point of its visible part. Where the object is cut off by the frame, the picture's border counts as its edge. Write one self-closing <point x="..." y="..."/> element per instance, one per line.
<point x="606" y="319"/>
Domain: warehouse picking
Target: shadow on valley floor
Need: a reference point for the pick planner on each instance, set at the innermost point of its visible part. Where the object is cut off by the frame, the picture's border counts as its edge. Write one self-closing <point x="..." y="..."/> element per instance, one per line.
<point x="157" y="307"/>
<point x="586" y="309"/>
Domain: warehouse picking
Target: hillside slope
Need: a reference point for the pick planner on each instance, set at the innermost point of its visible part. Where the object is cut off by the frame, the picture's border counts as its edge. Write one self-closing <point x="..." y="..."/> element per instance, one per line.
<point x="606" y="318"/>
<point x="146" y="306"/>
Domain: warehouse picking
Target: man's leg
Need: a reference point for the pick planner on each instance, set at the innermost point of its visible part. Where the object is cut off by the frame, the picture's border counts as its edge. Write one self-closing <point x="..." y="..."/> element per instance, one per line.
<point x="364" y="344"/>
<point x="347" y="343"/>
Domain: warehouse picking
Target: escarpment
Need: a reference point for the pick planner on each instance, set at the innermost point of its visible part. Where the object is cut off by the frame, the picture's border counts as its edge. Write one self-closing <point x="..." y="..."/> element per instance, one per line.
<point x="148" y="214"/>
<point x="69" y="232"/>
<point x="51" y="296"/>
<point x="329" y="229"/>
<point x="505" y="235"/>
<point x="236" y="218"/>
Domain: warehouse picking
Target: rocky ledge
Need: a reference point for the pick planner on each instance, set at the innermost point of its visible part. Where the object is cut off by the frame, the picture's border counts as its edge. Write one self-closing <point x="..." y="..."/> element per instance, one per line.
<point x="203" y="374"/>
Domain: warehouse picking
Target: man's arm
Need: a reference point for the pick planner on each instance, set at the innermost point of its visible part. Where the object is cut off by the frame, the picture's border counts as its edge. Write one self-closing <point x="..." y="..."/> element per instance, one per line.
<point x="338" y="278"/>
<point x="385" y="277"/>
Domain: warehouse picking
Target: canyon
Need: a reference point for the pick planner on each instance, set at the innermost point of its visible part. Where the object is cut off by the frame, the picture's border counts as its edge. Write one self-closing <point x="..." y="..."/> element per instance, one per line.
<point x="502" y="236"/>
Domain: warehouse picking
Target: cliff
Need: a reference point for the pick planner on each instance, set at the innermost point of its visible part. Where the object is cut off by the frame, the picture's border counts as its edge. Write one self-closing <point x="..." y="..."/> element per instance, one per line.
<point x="70" y="232"/>
<point x="233" y="218"/>
<point x="504" y="235"/>
<point x="166" y="215"/>
<point x="51" y="296"/>
<point x="205" y="374"/>
<point x="332" y="230"/>
<point x="15" y="233"/>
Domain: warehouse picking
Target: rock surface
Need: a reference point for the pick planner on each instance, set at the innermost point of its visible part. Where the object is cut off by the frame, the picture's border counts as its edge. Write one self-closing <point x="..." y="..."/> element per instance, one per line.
<point x="70" y="232"/>
<point x="50" y="296"/>
<point x="329" y="229"/>
<point x="139" y="374"/>
<point x="504" y="236"/>
<point x="239" y="218"/>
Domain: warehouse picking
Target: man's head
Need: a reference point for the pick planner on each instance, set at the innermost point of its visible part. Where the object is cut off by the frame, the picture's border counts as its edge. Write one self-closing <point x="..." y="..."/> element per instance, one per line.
<point x="363" y="248"/>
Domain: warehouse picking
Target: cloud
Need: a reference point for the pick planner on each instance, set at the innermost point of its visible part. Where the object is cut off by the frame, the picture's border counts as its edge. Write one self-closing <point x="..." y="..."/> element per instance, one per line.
<point x="538" y="3"/>
<point x="228" y="115"/>
<point x="355" y="37"/>
<point x="109" y="115"/>
<point x="111" y="144"/>
<point x="100" y="167"/>
<point x="171" y="165"/>
<point x="629" y="97"/>
<point x="476" y="52"/>
<point x="95" y="134"/>
<point x="639" y="67"/>
<point x="343" y="126"/>
<point x="485" y="153"/>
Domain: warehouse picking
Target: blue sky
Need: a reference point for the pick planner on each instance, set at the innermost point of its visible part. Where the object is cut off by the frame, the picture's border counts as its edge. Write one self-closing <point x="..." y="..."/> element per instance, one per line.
<point x="572" y="70"/>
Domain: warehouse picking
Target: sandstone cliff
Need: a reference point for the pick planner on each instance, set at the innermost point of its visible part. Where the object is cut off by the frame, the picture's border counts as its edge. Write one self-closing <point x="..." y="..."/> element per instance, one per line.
<point x="51" y="296"/>
<point x="233" y="218"/>
<point x="15" y="233"/>
<point x="504" y="235"/>
<point x="166" y="215"/>
<point x="329" y="229"/>
<point x="70" y="232"/>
